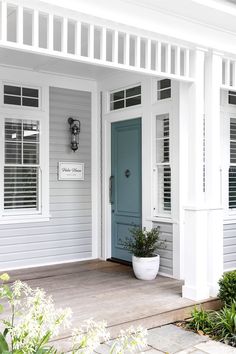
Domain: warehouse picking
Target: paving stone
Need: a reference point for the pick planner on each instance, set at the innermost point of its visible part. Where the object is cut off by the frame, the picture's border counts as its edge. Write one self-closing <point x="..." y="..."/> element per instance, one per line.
<point x="103" y="349"/>
<point x="173" y="339"/>
<point x="213" y="347"/>
<point x="191" y="351"/>
<point x="154" y="351"/>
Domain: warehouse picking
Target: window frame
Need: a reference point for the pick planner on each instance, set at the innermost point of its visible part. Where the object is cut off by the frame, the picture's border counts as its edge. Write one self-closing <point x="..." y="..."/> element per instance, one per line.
<point x="23" y="211"/>
<point x="156" y="213"/>
<point x="156" y="91"/>
<point x="41" y="115"/>
<point x="21" y="85"/>
<point x="109" y="101"/>
<point x="231" y="164"/>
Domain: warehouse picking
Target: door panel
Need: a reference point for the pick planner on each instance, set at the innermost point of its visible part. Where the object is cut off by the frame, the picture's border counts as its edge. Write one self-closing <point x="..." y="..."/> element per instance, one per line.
<point x="126" y="183"/>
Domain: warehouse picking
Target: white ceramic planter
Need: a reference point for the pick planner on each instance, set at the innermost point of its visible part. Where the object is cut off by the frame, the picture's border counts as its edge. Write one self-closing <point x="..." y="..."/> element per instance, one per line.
<point x="146" y="268"/>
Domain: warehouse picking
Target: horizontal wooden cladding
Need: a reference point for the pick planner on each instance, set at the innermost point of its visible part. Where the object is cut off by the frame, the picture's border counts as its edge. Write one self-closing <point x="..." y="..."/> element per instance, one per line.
<point x="89" y="40"/>
<point x="42" y="244"/>
<point x="68" y="234"/>
<point x="166" y="254"/>
<point x="23" y="234"/>
<point x="41" y="258"/>
<point x="229" y="246"/>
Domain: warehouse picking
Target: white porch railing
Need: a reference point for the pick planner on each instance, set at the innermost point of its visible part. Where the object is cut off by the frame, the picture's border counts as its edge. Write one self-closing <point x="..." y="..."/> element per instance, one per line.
<point x="31" y="26"/>
<point x="228" y="74"/>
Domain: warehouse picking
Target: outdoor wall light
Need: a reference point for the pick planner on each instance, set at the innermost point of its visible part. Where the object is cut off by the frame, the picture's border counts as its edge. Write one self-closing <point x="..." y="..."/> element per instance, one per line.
<point x="75" y="130"/>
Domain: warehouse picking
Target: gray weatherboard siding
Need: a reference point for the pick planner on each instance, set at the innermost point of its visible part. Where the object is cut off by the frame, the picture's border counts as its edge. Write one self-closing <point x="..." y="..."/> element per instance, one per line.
<point x="67" y="235"/>
<point x="229" y="246"/>
<point x="166" y="233"/>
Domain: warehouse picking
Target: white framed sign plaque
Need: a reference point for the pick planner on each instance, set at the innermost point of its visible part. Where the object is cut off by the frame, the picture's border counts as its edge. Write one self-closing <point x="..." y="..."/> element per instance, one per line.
<point x="70" y="171"/>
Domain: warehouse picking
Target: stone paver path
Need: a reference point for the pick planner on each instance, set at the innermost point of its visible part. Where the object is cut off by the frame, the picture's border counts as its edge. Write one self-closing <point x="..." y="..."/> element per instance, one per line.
<point x="171" y="339"/>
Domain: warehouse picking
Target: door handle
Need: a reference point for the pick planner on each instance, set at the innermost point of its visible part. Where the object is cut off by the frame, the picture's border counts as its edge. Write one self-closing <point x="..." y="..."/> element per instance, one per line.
<point x="111" y="181"/>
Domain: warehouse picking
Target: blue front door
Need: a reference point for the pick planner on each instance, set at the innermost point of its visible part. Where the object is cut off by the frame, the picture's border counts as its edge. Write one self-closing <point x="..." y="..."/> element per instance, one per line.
<point x="125" y="183"/>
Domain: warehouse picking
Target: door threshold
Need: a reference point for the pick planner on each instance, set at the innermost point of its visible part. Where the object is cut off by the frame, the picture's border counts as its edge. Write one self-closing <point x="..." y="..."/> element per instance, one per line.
<point x="120" y="261"/>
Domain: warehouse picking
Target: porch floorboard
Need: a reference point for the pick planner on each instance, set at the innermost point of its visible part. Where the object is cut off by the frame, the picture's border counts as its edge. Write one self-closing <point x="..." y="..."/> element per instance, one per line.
<point x="108" y="291"/>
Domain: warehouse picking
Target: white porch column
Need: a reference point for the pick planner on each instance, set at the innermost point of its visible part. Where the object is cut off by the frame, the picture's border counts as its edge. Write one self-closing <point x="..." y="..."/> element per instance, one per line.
<point x="195" y="215"/>
<point x="213" y="170"/>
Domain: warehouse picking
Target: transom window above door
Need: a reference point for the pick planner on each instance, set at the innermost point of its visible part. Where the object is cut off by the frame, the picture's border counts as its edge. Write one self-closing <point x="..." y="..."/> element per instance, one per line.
<point x="125" y="98"/>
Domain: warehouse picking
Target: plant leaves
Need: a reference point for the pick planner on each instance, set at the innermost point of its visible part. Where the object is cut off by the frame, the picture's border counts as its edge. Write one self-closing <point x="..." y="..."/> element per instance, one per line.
<point x="3" y="344"/>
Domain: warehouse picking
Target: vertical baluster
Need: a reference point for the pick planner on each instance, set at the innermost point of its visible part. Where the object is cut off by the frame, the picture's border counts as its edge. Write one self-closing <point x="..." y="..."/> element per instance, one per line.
<point x="19" y="24"/>
<point x="3" y="20"/>
<point x="168" y="58"/>
<point x="137" y="51"/>
<point x="64" y="40"/>
<point x="50" y="32"/>
<point x="227" y="72"/>
<point x="36" y="28"/>
<point x="234" y="75"/>
<point x="148" y="54"/>
<point x="115" y="47"/>
<point x="158" y="56"/>
<point x="103" y="43"/>
<point x="186" y="62"/>
<point x="177" y="60"/>
<point x="78" y="38"/>
<point x="127" y="49"/>
<point x="91" y="41"/>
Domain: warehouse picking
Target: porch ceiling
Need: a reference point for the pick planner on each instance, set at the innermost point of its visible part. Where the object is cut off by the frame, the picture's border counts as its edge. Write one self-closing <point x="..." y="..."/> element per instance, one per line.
<point x="42" y="63"/>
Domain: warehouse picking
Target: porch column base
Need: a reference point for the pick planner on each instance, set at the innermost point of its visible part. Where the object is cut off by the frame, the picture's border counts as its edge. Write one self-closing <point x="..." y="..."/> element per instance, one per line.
<point x="214" y="289"/>
<point x="195" y="293"/>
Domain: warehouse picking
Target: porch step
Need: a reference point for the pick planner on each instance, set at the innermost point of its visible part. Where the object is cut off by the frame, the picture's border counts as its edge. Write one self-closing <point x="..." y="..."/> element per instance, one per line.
<point x="156" y="320"/>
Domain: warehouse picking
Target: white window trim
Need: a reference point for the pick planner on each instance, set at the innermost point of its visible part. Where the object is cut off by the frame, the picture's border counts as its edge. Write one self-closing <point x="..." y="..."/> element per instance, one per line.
<point x="155" y="214"/>
<point x="19" y="107"/>
<point x="155" y="92"/>
<point x="108" y="100"/>
<point x="41" y="115"/>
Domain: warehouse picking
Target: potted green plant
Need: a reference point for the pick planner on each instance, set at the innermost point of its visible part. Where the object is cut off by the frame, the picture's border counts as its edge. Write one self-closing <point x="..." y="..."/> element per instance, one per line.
<point x="143" y="245"/>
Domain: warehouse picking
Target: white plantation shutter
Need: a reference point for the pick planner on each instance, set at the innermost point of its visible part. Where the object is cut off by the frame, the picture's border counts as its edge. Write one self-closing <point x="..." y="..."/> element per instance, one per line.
<point x="21" y="169"/>
<point x="163" y="168"/>
<point x="232" y="168"/>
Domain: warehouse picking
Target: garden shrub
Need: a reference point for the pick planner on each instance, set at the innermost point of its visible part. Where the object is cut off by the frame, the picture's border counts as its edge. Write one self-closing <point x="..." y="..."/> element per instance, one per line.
<point x="225" y="324"/>
<point x="227" y="292"/>
<point x="201" y="320"/>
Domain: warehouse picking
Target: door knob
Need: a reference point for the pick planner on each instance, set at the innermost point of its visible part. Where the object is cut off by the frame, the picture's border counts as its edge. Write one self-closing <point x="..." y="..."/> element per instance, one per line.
<point x="127" y="173"/>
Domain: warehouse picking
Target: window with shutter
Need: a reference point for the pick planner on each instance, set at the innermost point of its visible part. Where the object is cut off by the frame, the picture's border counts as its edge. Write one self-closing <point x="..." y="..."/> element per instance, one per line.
<point x="163" y="167"/>
<point x="21" y="167"/>
<point x="232" y="168"/>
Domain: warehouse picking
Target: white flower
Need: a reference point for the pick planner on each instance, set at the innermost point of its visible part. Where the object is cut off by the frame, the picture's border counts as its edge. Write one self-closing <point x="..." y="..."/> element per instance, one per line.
<point x="130" y="340"/>
<point x="88" y="336"/>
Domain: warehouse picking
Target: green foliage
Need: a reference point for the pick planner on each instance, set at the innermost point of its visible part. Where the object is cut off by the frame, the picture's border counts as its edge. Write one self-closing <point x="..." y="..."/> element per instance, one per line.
<point x="227" y="292"/>
<point x="225" y="324"/>
<point x="201" y="320"/>
<point x="143" y="243"/>
<point x="220" y="325"/>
